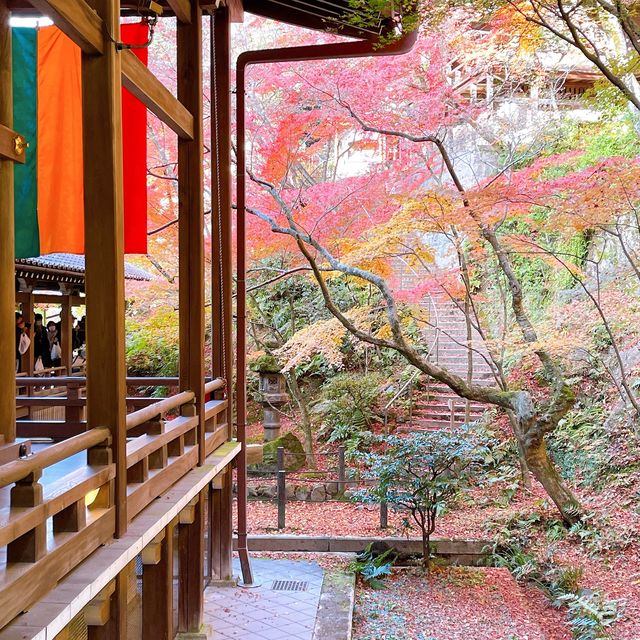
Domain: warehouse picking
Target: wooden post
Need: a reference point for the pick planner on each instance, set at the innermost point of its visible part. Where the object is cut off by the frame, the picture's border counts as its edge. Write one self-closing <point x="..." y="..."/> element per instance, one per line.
<point x="32" y="545"/>
<point x="221" y="260"/>
<point x="191" y="218"/>
<point x="104" y="246"/>
<point x="221" y="526"/>
<point x="191" y="568"/>
<point x="282" y="489"/>
<point x="66" y="337"/>
<point x="157" y="589"/>
<point x="7" y="251"/>
<point x="384" y="515"/>
<point x="341" y="470"/>
<point x="27" y="312"/>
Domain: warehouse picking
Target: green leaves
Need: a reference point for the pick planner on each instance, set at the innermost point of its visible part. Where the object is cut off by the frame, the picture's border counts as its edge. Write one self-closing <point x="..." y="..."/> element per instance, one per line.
<point x="373" y="568"/>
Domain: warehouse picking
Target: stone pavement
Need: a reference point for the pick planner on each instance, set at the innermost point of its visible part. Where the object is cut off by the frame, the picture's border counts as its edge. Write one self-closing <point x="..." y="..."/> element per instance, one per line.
<point x="265" y="612"/>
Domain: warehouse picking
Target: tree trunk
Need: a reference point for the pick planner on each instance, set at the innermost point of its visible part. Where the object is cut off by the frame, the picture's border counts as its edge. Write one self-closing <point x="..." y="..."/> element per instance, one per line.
<point x="307" y="428"/>
<point x="544" y="470"/>
<point x="524" y="468"/>
<point x="425" y="550"/>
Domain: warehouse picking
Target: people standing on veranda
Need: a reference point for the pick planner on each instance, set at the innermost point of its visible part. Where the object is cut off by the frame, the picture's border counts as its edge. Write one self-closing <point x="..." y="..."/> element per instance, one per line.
<point x="52" y="353"/>
<point x="23" y="342"/>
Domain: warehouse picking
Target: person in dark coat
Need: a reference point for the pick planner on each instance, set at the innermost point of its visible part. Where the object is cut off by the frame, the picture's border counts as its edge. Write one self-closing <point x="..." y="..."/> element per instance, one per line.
<point x="52" y="340"/>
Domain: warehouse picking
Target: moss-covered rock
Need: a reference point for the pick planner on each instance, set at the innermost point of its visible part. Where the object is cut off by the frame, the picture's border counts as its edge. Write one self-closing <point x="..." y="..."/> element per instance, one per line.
<point x="294" y="457"/>
<point x="265" y="363"/>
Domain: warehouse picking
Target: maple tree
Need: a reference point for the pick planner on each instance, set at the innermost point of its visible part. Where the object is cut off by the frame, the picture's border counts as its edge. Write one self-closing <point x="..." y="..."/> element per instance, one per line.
<point x="360" y="226"/>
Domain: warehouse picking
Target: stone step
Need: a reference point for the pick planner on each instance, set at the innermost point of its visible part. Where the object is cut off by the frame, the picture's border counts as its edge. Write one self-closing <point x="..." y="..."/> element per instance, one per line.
<point x="460" y="407"/>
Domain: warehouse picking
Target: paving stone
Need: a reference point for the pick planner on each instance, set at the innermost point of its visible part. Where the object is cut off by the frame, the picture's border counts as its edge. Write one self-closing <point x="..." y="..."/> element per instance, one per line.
<point x="261" y="613"/>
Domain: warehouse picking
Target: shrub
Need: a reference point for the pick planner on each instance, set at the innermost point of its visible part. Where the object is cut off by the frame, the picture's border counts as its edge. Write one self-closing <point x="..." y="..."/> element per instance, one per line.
<point x="350" y="404"/>
<point x="152" y="345"/>
<point x="421" y="474"/>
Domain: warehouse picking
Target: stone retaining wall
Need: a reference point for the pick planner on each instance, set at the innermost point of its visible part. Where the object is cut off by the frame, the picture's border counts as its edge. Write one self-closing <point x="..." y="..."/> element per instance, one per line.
<point x="307" y="492"/>
<point x="461" y="552"/>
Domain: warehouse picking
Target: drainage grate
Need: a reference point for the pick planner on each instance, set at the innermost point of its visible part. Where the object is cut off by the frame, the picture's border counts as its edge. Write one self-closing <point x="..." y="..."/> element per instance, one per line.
<point x="289" y="585"/>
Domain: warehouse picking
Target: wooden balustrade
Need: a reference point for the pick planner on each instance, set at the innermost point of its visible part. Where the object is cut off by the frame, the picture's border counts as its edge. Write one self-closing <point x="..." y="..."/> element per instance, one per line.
<point x="46" y="411"/>
<point x="50" y="524"/>
<point x="56" y="508"/>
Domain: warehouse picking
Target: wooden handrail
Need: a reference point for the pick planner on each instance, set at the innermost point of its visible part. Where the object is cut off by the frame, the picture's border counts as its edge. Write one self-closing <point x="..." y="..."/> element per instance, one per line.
<point x="19" y="469"/>
<point x="136" y="381"/>
<point x="141" y="416"/>
<point x="159" y="381"/>
<point x="213" y="385"/>
<point x="54" y="381"/>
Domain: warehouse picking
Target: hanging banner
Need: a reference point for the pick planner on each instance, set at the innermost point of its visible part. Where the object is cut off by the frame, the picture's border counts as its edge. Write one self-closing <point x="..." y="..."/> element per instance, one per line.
<point x="47" y="105"/>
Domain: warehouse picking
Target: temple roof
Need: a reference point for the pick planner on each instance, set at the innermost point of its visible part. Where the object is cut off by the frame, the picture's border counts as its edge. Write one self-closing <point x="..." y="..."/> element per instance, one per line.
<point x="67" y="267"/>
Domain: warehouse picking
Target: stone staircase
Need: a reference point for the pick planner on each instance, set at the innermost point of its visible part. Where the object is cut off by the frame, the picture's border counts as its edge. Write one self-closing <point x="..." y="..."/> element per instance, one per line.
<point x="435" y="405"/>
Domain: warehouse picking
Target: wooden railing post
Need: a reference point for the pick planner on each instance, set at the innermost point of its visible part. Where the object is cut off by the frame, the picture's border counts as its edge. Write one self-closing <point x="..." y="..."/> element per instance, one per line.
<point x="104" y="245"/>
<point x="7" y="266"/>
<point x="31" y="546"/>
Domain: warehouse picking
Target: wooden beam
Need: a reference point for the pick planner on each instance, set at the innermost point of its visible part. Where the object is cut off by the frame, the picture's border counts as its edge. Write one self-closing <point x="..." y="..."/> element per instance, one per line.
<point x="221" y="219"/>
<point x="182" y="10"/>
<point x="7" y="281"/>
<point x="46" y="298"/>
<point x="104" y="247"/>
<point x="236" y="10"/>
<point x="141" y="82"/>
<point x="78" y="20"/>
<point x="191" y="219"/>
<point x="12" y="145"/>
<point x="191" y="564"/>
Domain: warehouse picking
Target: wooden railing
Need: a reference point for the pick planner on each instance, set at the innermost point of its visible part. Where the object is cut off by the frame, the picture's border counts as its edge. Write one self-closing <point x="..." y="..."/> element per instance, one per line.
<point x="65" y="411"/>
<point x="49" y="527"/>
<point x="50" y="523"/>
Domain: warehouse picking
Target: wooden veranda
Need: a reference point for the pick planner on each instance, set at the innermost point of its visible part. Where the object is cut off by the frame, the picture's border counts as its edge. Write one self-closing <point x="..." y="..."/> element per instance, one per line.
<point x="80" y="521"/>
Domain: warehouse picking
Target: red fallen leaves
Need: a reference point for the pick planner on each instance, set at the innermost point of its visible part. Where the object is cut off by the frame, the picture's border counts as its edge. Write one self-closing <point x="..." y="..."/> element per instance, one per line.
<point x="453" y="603"/>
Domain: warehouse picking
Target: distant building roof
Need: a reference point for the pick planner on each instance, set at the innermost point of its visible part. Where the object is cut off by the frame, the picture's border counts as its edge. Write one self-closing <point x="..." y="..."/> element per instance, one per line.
<point x="68" y="263"/>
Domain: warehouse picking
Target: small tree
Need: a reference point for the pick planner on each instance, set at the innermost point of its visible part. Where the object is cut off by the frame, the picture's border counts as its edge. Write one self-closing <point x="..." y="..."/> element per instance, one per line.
<point x="421" y="474"/>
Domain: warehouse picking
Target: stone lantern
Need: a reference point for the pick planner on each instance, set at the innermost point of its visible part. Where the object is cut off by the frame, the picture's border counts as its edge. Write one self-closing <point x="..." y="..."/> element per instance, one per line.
<point x="273" y="390"/>
<point x="273" y="387"/>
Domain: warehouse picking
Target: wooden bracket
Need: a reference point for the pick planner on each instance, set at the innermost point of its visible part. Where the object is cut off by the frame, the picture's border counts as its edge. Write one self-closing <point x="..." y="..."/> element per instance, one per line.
<point x="98" y="611"/>
<point x="12" y="145"/>
<point x="152" y="553"/>
<point x="188" y="514"/>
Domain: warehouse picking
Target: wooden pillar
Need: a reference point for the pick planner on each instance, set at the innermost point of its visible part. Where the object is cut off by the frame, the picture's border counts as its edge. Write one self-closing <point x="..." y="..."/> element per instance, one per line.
<point x="191" y="567"/>
<point x="191" y="218"/>
<point x="157" y="588"/>
<point x="66" y="337"/>
<point x="28" y="313"/>
<point x="221" y="260"/>
<point x="104" y="246"/>
<point x="7" y="276"/>
<point x="221" y="526"/>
